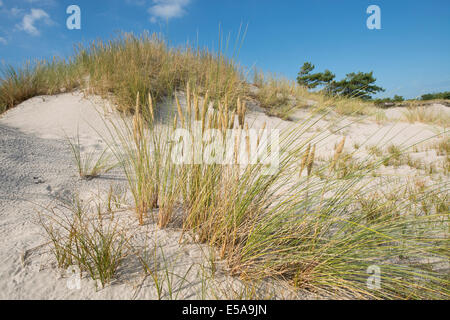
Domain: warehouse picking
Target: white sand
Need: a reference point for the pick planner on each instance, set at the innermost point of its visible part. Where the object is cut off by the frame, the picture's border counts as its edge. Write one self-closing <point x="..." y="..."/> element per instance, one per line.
<point x="36" y="167"/>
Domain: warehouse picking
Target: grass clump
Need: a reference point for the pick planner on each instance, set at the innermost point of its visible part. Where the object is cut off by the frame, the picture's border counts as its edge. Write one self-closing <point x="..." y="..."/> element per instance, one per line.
<point x="374" y="150"/>
<point x="142" y="149"/>
<point x="425" y="115"/>
<point x="91" y="164"/>
<point x="443" y="146"/>
<point x="85" y="237"/>
<point x="276" y="96"/>
<point x="394" y="157"/>
<point x="352" y="106"/>
<point x="33" y="79"/>
<point x="130" y="64"/>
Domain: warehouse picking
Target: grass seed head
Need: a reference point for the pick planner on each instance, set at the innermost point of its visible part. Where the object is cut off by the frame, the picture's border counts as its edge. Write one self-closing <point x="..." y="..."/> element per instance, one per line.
<point x="304" y="159"/>
<point x="310" y="162"/>
<point x="337" y="153"/>
<point x="180" y="112"/>
<point x="150" y="106"/>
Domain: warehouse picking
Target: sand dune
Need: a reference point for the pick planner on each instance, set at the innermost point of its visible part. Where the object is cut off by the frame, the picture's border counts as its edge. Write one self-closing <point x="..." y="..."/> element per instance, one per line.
<point x="37" y="168"/>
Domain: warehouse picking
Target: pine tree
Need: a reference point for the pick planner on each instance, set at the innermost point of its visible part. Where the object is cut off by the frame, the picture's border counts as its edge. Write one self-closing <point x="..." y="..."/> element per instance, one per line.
<point x="311" y="81"/>
<point x="357" y="85"/>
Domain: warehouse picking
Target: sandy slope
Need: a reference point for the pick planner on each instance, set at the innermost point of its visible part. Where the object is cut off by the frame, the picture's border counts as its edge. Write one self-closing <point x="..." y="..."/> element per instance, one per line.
<point x="36" y="167"/>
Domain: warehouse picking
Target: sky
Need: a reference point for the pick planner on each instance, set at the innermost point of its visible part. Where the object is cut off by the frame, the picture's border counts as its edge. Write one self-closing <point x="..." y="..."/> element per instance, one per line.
<point x="409" y="55"/>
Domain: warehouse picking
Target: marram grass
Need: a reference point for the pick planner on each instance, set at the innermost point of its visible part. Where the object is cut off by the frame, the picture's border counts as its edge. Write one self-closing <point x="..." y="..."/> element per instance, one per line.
<point x="313" y="231"/>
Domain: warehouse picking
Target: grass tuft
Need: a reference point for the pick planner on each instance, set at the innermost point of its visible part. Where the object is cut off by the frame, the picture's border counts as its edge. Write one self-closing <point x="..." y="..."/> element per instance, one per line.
<point x="91" y="164"/>
<point x="83" y="237"/>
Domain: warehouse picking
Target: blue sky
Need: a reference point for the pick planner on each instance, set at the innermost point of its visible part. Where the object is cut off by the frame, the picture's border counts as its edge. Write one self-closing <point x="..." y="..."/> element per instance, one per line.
<point x="409" y="55"/>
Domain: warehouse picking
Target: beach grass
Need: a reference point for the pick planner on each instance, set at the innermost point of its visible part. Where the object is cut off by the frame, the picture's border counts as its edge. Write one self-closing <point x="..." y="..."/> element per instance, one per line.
<point x="322" y="232"/>
<point x="82" y="235"/>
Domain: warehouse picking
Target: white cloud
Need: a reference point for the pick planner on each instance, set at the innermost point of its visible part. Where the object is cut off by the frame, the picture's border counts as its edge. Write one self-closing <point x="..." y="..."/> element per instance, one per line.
<point x="29" y="20"/>
<point x="1" y="3"/>
<point x="15" y="11"/>
<point x="167" y="9"/>
<point x="3" y="40"/>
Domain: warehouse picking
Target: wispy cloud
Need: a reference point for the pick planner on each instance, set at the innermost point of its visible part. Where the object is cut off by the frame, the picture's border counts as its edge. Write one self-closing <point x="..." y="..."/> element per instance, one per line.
<point x="15" y="11"/>
<point x="167" y="9"/>
<point x="30" y="19"/>
<point x="3" y="41"/>
<point x="1" y="3"/>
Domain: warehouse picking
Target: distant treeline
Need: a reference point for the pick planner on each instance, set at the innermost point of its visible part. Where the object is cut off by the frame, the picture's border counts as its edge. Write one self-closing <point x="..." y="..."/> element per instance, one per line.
<point x="438" y="95"/>
<point x="429" y="96"/>
<point x="396" y="98"/>
<point x="356" y="84"/>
